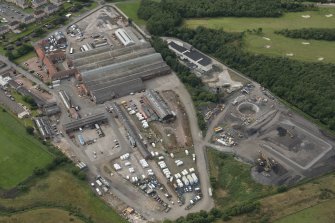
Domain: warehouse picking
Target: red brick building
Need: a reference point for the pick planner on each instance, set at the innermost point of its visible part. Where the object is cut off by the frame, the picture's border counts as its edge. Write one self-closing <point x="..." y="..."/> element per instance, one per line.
<point x="53" y="63"/>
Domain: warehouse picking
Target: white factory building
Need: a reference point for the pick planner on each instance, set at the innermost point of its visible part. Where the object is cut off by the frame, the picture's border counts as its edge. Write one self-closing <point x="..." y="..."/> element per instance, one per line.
<point x="123" y="37"/>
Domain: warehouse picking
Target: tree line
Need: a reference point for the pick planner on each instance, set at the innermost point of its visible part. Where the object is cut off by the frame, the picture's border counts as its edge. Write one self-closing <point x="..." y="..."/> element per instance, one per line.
<point x="309" y="33"/>
<point x="216" y="214"/>
<point x="214" y="8"/>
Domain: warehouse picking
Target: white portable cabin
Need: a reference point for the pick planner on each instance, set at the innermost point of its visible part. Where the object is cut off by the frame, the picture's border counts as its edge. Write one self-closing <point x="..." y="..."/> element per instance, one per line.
<point x="195" y="178"/>
<point x="98" y="191"/>
<point x="99" y="182"/>
<point x="190" y="179"/>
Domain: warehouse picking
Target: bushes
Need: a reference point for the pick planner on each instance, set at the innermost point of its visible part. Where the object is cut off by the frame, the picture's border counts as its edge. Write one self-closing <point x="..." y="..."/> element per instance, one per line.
<point x="30" y="101"/>
<point x="282" y="189"/>
<point x="242" y="209"/>
<point x="78" y="173"/>
<point x="39" y="171"/>
<point x="309" y="33"/>
<point x="215" y="214"/>
<point x="30" y="130"/>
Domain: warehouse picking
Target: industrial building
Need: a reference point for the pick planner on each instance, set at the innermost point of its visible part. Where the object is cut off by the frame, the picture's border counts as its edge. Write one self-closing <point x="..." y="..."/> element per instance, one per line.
<point x="123" y="37"/>
<point x="108" y="74"/>
<point x="56" y="63"/>
<point x="72" y="126"/>
<point x="159" y="106"/>
<point x="44" y="127"/>
<point x="132" y="134"/>
<point x="25" y="92"/>
<point x="203" y="62"/>
<point x="51" y="109"/>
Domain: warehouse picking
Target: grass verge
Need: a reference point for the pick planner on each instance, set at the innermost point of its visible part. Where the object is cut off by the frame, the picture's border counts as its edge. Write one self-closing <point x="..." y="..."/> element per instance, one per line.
<point x="24" y="58"/>
<point x="130" y="9"/>
<point x="20" y="153"/>
<point x="43" y="215"/>
<point x="323" y="212"/>
<point x="61" y="190"/>
<point x="232" y="182"/>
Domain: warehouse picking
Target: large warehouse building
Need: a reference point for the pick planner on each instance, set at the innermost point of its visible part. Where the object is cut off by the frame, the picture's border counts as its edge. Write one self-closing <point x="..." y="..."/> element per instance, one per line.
<point x="85" y="122"/>
<point x="159" y="106"/>
<point x="111" y="73"/>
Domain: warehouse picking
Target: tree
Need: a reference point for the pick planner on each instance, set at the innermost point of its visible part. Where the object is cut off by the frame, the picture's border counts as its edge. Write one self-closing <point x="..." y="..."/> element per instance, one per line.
<point x="30" y="130"/>
<point x="22" y="26"/>
<point x="39" y="171"/>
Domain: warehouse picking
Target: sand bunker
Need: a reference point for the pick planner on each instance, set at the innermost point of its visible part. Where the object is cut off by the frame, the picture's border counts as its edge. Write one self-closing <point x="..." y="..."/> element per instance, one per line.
<point x="268" y="39"/>
<point x="329" y="15"/>
<point x="321" y="59"/>
<point x="306" y="16"/>
<point x="289" y="54"/>
<point x="305" y="43"/>
<point x="267" y="46"/>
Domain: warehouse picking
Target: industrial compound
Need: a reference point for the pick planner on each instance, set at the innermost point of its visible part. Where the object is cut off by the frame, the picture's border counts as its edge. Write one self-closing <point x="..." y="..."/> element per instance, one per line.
<point x="117" y="110"/>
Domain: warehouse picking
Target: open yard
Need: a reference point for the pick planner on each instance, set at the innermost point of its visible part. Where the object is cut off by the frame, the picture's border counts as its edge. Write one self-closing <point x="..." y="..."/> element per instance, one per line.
<point x="272" y="44"/>
<point x="233" y="180"/>
<point x="62" y="190"/>
<point x="20" y="153"/>
<point x="130" y="9"/>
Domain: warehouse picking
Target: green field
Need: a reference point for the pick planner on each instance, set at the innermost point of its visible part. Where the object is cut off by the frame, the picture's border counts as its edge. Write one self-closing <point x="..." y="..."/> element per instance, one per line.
<point x="20" y="153"/>
<point x="279" y="45"/>
<point x="26" y="57"/>
<point x="61" y="190"/>
<point x="130" y="9"/>
<point x="233" y="180"/>
<point x="44" y="215"/>
<point x="323" y="212"/>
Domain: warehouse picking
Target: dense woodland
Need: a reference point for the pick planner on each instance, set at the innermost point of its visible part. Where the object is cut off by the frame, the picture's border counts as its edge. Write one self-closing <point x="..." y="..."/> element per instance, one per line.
<point x="309" y="33"/>
<point x="214" y="8"/>
<point x="308" y="86"/>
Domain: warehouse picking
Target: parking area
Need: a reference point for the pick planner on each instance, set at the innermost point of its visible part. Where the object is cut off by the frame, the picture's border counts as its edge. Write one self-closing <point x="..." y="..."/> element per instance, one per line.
<point x="35" y="67"/>
<point x="170" y="144"/>
<point x="100" y="147"/>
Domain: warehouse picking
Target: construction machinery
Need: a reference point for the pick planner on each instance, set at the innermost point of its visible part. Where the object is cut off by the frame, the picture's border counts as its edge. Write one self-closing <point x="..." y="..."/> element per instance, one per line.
<point x="266" y="162"/>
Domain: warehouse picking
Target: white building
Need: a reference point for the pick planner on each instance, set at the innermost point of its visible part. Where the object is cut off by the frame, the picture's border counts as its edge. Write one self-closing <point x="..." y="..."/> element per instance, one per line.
<point x="202" y="62"/>
<point x="23" y="114"/>
<point x="123" y="37"/>
<point x="4" y="81"/>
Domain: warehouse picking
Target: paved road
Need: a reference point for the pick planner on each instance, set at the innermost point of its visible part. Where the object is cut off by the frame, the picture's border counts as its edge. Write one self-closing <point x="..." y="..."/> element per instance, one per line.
<point x="207" y="202"/>
<point x="25" y="73"/>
